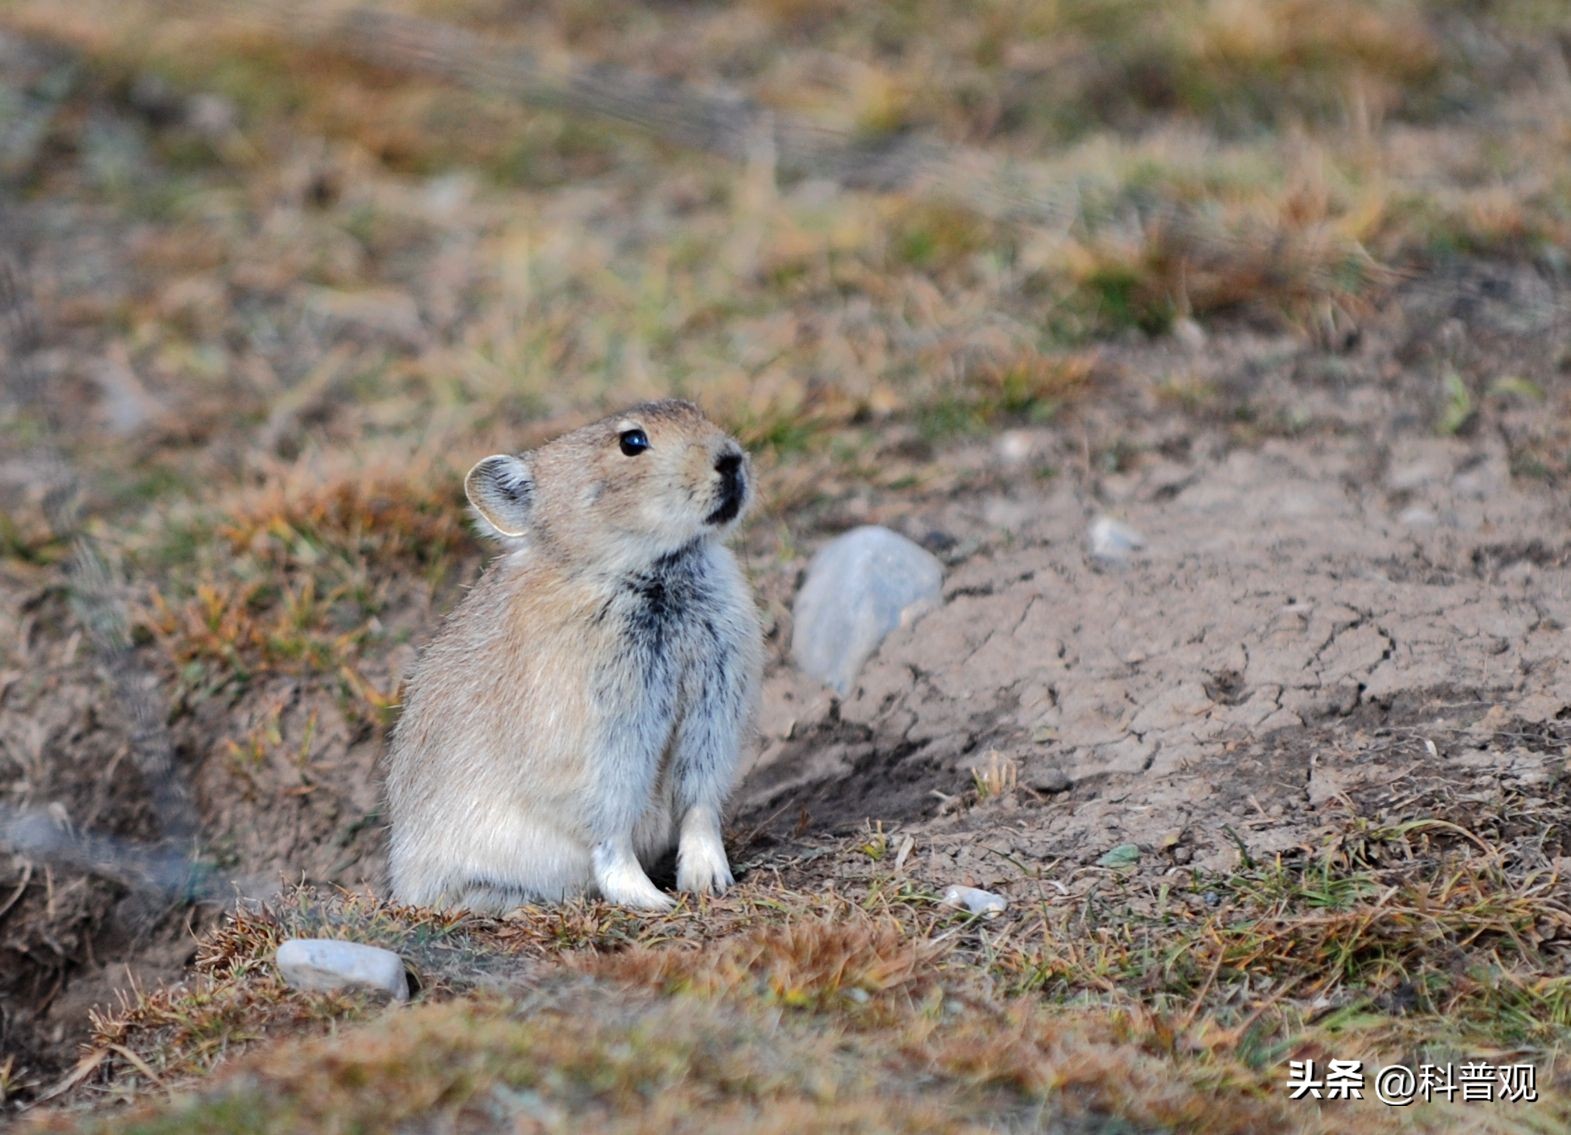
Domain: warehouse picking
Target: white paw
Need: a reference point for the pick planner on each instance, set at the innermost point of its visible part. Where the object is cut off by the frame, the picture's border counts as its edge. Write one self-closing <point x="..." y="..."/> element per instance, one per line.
<point x="701" y="865"/>
<point x="623" y="882"/>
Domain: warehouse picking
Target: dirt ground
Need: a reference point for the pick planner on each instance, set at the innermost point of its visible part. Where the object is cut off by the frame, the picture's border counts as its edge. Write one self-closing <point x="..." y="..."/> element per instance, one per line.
<point x="1354" y="616"/>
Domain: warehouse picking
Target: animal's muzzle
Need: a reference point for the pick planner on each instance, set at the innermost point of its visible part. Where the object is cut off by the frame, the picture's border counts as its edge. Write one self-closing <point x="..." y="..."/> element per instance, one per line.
<point x="733" y="488"/>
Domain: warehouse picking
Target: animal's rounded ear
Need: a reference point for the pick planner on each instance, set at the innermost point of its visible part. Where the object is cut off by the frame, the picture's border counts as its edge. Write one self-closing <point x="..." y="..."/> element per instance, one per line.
<point x="501" y="489"/>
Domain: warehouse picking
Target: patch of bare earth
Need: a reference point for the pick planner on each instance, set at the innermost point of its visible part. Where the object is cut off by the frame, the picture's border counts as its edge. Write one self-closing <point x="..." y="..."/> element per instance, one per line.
<point x="1295" y="632"/>
<point x="1355" y="616"/>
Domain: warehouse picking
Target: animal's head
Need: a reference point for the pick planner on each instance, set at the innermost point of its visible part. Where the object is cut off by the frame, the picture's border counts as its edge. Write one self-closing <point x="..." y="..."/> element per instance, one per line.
<point x="623" y="491"/>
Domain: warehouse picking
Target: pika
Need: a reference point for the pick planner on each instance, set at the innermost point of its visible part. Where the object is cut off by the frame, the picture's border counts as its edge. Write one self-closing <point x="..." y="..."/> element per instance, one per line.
<point x="584" y="707"/>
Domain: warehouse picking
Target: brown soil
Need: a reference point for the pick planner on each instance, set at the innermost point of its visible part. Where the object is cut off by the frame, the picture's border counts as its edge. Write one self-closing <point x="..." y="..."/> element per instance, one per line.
<point x="1353" y="615"/>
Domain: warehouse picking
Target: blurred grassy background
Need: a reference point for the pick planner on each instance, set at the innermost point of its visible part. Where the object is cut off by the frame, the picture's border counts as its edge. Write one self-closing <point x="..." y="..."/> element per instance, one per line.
<point x="291" y="250"/>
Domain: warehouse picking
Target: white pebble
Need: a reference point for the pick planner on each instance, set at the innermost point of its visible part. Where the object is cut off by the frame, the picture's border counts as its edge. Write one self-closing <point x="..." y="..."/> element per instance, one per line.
<point x="323" y="964"/>
<point x="859" y="587"/>
<point x="1190" y="335"/>
<point x="975" y="900"/>
<point x="1015" y="446"/>
<point x="1112" y="542"/>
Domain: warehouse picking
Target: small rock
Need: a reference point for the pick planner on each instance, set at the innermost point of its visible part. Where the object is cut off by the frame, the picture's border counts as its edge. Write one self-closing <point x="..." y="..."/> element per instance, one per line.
<point x="1015" y="446"/>
<point x="1044" y="734"/>
<point x="1189" y="334"/>
<point x="1112" y="542"/>
<point x="976" y="901"/>
<point x="1183" y="854"/>
<point x="326" y="964"/>
<point x="1124" y="855"/>
<point x="212" y="116"/>
<point x="1418" y="517"/>
<point x="937" y="541"/>
<point x="1049" y="779"/>
<point x="859" y="587"/>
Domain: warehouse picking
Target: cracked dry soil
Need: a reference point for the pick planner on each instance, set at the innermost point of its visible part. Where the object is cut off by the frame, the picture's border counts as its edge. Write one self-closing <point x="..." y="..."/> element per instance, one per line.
<point x="1287" y="638"/>
<point x="1366" y="618"/>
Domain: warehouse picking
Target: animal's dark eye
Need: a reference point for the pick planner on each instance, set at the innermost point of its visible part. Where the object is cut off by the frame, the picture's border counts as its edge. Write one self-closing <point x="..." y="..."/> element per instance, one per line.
<point x="633" y="442"/>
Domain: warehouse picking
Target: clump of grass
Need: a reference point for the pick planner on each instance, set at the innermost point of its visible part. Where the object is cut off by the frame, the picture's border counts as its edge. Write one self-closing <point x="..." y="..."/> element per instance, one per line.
<point x="412" y="519"/>
<point x="1297" y="257"/>
<point x="932" y="238"/>
<point x="1451" y="946"/>
<point x="820" y="963"/>
<point x="1031" y="384"/>
<point x="294" y="577"/>
<point x="997" y="776"/>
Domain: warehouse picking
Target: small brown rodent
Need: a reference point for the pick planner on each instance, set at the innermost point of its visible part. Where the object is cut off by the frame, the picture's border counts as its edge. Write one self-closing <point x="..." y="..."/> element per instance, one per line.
<point x="585" y="706"/>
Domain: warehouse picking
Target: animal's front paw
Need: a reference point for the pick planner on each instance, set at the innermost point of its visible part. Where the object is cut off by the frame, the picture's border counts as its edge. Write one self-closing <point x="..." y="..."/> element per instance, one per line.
<point x="648" y="897"/>
<point x="621" y="880"/>
<point x="701" y="865"/>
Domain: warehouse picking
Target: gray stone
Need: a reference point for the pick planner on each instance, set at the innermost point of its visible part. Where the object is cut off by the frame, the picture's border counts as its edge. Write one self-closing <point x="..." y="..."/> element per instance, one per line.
<point x="1189" y="334"/>
<point x="975" y="900"/>
<point x="859" y="587"/>
<point x="1124" y="855"/>
<point x="324" y="964"/>
<point x="1112" y="542"/>
<point x="1049" y="779"/>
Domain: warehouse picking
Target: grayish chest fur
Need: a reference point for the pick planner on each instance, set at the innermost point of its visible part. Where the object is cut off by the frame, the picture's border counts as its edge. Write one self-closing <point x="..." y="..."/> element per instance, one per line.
<point x="668" y="616"/>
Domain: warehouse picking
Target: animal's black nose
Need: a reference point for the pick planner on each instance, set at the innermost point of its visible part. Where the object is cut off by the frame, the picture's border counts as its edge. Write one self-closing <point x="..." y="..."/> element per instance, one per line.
<point x="733" y="488"/>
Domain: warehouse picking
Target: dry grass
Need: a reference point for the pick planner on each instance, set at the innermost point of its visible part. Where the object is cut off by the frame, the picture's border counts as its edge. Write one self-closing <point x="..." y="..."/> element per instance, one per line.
<point x="1442" y="950"/>
<point x="997" y="775"/>
<point x="885" y="1011"/>
<point x="822" y="963"/>
<point x="297" y="576"/>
